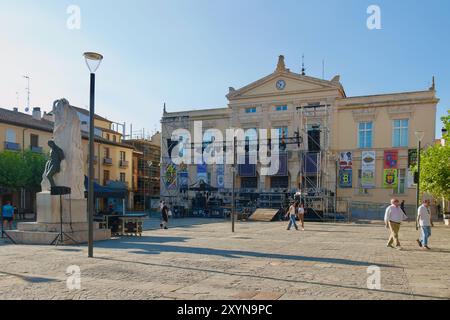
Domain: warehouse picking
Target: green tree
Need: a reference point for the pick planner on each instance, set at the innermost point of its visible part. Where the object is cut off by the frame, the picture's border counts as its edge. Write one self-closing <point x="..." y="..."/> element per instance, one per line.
<point x="435" y="167"/>
<point x="21" y="169"/>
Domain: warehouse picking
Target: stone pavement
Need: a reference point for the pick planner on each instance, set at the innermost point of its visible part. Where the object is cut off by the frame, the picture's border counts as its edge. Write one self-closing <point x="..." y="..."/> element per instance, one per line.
<point x="259" y="261"/>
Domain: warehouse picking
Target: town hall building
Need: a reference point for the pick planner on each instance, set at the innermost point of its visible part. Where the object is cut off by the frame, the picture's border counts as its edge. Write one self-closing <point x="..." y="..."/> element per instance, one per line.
<point x="337" y="151"/>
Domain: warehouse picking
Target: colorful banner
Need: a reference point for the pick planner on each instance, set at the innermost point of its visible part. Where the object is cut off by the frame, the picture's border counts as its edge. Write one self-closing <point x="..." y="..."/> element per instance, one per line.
<point x="346" y="159"/>
<point x="368" y="160"/>
<point x="202" y="172"/>
<point x="170" y="176"/>
<point x="391" y="159"/>
<point x="390" y="178"/>
<point x="183" y="180"/>
<point x="412" y="158"/>
<point x="220" y="176"/>
<point x="345" y="178"/>
<point x="367" y="179"/>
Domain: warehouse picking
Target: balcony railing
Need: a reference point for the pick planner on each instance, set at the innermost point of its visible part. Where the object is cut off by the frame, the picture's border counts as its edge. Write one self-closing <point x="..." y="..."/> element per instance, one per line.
<point x="107" y="161"/>
<point x="36" y="149"/>
<point x="124" y="164"/>
<point x="12" y="146"/>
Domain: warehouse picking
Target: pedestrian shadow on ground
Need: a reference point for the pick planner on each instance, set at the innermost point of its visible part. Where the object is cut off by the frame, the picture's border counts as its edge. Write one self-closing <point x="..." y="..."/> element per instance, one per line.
<point x="262" y="277"/>
<point x="29" y="279"/>
<point x="158" y="245"/>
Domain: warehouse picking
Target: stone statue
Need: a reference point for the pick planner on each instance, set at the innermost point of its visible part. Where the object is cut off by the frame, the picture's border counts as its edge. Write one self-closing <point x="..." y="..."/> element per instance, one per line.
<point x="53" y="165"/>
<point x="67" y="138"/>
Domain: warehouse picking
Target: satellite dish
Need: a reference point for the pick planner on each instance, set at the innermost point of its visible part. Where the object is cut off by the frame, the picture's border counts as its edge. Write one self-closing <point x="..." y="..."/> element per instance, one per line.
<point x="27" y="109"/>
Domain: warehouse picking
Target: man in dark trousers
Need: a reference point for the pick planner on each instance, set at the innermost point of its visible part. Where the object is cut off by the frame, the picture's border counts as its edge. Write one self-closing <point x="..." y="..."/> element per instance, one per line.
<point x="164" y="216"/>
<point x="402" y="206"/>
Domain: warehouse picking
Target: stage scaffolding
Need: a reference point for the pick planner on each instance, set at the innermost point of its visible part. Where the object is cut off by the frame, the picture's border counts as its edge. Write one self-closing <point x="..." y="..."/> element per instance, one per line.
<point x="318" y="187"/>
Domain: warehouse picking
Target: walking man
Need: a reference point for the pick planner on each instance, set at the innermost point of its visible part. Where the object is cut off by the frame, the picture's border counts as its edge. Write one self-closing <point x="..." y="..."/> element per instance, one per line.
<point x="292" y="215"/>
<point x="402" y="206"/>
<point x="425" y="224"/>
<point x="393" y="218"/>
<point x="7" y="215"/>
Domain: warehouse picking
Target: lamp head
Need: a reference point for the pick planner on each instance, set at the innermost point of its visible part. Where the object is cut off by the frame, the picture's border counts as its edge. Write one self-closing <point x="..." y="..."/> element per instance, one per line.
<point x="419" y="135"/>
<point x="93" y="60"/>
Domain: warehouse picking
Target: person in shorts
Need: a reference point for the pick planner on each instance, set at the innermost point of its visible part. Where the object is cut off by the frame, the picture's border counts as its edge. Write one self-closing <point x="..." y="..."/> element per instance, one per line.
<point x="8" y="215"/>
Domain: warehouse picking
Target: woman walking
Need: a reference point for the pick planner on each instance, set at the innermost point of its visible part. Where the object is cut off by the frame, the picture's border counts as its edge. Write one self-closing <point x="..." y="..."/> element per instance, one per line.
<point x="292" y="212"/>
<point x="164" y="216"/>
<point x="301" y="215"/>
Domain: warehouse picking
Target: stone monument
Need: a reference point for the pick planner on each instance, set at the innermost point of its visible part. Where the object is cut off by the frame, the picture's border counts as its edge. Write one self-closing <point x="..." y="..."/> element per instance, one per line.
<point x="64" y="168"/>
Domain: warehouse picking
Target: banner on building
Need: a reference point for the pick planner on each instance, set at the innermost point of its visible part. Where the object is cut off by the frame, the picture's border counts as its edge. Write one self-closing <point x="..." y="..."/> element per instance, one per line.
<point x="220" y="176"/>
<point x="183" y="167"/>
<point x="202" y="172"/>
<point x="311" y="162"/>
<point x="170" y="176"/>
<point x="390" y="178"/>
<point x="345" y="159"/>
<point x="247" y="168"/>
<point x="283" y="165"/>
<point x="412" y="158"/>
<point x="391" y="159"/>
<point x="367" y="179"/>
<point x="410" y="179"/>
<point x="368" y="160"/>
<point x="183" y="180"/>
<point x="345" y="178"/>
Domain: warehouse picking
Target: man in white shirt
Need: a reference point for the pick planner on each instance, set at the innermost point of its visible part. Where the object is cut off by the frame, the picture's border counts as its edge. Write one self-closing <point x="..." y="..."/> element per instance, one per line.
<point x="393" y="218"/>
<point x="425" y="224"/>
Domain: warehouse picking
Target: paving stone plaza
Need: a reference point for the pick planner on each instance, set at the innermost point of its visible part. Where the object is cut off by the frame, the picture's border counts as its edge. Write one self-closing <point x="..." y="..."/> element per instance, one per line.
<point x="202" y="259"/>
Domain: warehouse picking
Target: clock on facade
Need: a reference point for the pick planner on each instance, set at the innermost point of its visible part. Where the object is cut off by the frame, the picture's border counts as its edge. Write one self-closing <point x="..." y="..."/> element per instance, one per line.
<point x="281" y="84"/>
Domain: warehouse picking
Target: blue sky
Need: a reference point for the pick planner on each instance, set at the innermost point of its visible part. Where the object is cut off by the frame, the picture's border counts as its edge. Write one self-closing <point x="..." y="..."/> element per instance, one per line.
<point x="187" y="53"/>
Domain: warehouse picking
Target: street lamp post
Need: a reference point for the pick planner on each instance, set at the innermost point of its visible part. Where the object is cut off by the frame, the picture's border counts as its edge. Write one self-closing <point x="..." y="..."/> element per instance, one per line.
<point x="233" y="197"/>
<point x="419" y="136"/>
<point x="150" y="165"/>
<point x="93" y="61"/>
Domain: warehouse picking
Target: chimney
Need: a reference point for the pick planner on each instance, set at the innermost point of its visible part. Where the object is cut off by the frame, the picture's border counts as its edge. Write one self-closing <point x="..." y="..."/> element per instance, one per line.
<point x="36" y="113"/>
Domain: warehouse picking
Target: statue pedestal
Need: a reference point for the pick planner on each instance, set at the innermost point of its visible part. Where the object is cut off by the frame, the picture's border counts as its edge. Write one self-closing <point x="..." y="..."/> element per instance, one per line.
<point x="48" y="208"/>
<point x="47" y="226"/>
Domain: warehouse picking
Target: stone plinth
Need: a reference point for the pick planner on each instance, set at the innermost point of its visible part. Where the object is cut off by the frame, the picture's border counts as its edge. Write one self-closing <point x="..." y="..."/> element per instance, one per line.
<point x="48" y="208"/>
<point x="47" y="227"/>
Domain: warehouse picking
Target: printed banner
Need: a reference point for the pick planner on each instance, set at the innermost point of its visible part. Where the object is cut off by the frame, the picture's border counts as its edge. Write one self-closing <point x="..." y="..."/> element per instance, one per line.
<point x="390" y="178"/>
<point x="283" y="169"/>
<point x="183" y="167"/>
<point x="170" y="176"/>
<point x="346" y="159"/>
<point x="245" y="169"/>
<point x="391" y="159"/>
<point x="220" y="176"/>
<point x="368" y="161"/>
<point x="345" y="178"/>
<point x="183" y="180"/>
<point x="202" y="172"/>
<point x="412" y="158"/>
<point x="367" y="179"/>
<point x="310" y="161"/>
<point x="410" y="179"/>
